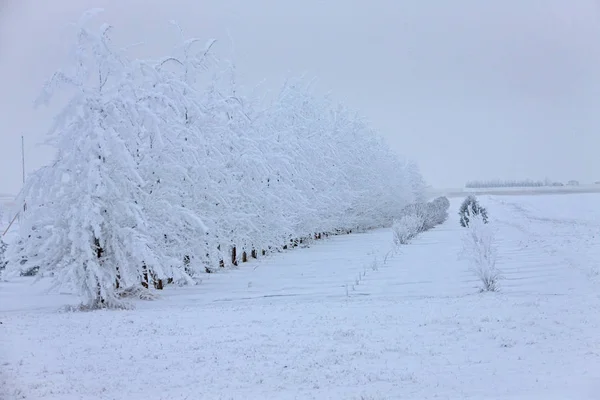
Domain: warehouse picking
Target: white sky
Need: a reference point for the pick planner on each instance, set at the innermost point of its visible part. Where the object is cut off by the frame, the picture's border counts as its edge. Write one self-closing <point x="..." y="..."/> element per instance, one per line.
<point x="470" y="89"/>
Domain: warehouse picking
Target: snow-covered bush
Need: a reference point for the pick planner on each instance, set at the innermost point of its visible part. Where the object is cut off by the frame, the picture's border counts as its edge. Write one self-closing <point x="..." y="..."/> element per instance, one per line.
<point x="470" y="207"/>
<point x="164" y="171"/>
<point x="406" y="228"/>
<point x="421" y="213"/>
<point x="479" y="250"/>
<point x="439" y="210"/>
<point x="432" y="213"/>
<point x="419" y="217"/>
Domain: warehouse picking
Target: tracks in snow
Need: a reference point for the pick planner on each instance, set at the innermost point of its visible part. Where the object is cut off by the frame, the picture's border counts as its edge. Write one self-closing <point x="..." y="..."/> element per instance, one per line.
<point x="543" y="253"/>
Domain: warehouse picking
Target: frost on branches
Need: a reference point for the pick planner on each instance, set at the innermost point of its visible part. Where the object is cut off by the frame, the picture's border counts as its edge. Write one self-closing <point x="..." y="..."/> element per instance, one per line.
<point x="163" y="171"/>
<point x="470" y="208"/>
<point x="419" y="217"/>
<point x="88" y="222"/>
<point x="479" y="249"/>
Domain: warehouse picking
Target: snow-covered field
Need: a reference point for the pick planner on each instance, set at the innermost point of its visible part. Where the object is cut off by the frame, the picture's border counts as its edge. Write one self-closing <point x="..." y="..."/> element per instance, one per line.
<point x="298" y="326"/>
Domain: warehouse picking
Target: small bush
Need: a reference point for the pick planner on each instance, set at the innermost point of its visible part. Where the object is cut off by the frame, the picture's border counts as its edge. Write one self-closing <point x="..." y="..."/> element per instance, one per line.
<point x="439" y="210"/>
<point x="480" y="251"/>
<point x="418" y="210"/>
<point x="406" y="228"/>
<point x="469" y="208"/>
<point x="419" y="217"/>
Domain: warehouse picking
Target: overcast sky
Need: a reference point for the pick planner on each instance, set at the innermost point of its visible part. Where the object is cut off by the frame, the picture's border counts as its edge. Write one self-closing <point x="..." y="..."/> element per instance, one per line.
<point x="470" y="89"/>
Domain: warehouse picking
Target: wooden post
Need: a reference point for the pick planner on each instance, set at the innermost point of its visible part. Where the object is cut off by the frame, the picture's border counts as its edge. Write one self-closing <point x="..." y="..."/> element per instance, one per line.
<point x="253" y="253"/>
<point x="244" y="257"/>
<point x="234" y="256"/>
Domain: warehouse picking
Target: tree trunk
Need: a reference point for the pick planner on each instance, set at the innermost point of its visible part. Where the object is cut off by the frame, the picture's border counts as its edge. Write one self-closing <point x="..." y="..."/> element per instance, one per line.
<point x="99" y="252"/>
<point x="234" y="256"/>
<point x="118" y="280"/>
<point x="145" y="276"/>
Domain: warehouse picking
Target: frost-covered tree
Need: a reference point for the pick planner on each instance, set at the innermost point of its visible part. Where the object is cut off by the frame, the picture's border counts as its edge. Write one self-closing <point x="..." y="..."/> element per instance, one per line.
<point x="91" y="205"/>
<point x="165" y="121"/>
<point x="165" y="170"/>
<point x="305" y="161"/>
<point x="469" y="208"/>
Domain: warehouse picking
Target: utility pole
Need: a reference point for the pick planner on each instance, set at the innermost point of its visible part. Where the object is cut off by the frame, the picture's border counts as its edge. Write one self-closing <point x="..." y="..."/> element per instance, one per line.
<point x="23" y="156"/>
<point x="23" y="166"/>
<point x="19" y="214"/>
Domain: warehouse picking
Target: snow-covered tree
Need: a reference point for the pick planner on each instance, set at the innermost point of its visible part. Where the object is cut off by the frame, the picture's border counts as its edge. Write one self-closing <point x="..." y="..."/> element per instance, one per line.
<point x="164" y="170"/>
<point x="469" y="208"/>
<point x="91" y="204"/>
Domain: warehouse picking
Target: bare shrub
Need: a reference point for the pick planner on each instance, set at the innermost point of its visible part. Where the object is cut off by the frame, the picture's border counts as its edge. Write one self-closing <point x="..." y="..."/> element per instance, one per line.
<point x="407" y="228"/>
<point x="479" y="250"/>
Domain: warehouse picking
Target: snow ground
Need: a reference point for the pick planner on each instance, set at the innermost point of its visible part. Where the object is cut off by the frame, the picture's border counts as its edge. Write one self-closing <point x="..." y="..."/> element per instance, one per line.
<point x="415" y="327"/>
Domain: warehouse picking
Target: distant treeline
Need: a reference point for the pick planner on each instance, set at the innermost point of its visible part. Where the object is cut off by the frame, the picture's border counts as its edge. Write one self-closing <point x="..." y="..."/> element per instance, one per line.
<point x="497" y="183"/>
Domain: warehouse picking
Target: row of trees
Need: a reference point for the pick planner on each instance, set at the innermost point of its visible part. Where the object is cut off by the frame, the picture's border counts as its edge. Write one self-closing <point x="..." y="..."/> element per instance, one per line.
<point x="164" y="171"/>
<point x="497" y="183"/>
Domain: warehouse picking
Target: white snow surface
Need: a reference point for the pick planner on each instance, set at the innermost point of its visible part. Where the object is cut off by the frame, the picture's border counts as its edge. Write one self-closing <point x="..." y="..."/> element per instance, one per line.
<point x="291" y="326"/>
